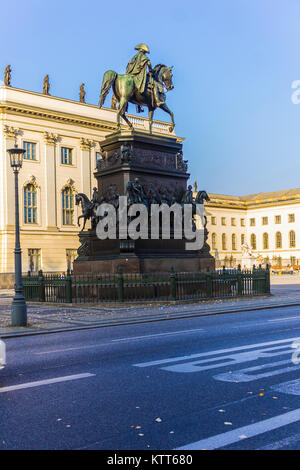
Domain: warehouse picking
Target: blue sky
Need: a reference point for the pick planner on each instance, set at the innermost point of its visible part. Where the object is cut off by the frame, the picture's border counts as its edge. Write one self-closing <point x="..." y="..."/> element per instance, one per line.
<point x="234" y="63"/>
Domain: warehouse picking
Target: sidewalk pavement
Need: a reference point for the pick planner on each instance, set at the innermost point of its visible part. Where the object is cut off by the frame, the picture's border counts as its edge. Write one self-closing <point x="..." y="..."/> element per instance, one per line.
<point x="43" y="318"/>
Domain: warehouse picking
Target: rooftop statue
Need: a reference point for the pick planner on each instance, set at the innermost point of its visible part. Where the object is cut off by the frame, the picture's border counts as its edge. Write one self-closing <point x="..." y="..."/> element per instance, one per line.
<point x="46" y="86"/>
<point x="82" y="93"/>
<point x="7" y="75"/>
<point x="141" y="85"/>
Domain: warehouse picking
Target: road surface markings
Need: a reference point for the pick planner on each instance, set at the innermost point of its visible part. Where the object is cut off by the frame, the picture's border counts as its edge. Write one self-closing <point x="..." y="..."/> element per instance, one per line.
<point x="45" y="382"/>
<point x="158" y="334"/>
<point x="241" y="375"/>
<point x="245" y="432"/>
<point x="292" y="387"/>
<point x="230" y="357"/>
<point x="223" y="357"/>
<point x="66" y="349"/>
<point x="284" y="319"/>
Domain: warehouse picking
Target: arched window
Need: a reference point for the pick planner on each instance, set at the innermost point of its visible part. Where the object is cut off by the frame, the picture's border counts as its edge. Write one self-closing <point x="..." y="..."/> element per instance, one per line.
<point x="253" y="241"/>
<point x="67" y="205"/>
<point x="214" y="241"/>
<point x="265" y="241"/>
<point x="224" y="247"/>
<point x="278" y="240"/>
<point x="233" y="241"/>
<point x="30" y="208"/>
<point x="292" y="239"/>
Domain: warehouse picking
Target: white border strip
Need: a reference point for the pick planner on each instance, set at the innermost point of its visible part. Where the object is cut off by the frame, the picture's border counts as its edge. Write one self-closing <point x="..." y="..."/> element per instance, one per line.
<point x="230" y="437"/>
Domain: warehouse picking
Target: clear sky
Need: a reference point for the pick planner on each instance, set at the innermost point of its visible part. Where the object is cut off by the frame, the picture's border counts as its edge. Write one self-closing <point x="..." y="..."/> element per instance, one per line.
<point x="234" y="63"/>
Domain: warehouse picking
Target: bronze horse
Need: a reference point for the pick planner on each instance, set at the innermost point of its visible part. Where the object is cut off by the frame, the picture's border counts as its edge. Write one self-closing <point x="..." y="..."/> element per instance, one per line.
<point x="87" y="208"/>
<point x="125" y="91"/>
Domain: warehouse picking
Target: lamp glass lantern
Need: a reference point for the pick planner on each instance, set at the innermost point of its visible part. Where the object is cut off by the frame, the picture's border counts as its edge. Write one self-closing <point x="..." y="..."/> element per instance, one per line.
<point x="16" y="157"/>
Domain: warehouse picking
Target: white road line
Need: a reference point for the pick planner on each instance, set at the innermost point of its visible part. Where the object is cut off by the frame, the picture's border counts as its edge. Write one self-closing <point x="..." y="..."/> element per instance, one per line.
<point x="158" y="334"/>
<point x="66" y="349"/>
<point x="230" y="437"/>
<point x="284" y="319"/>
<point x="45" y="382"/>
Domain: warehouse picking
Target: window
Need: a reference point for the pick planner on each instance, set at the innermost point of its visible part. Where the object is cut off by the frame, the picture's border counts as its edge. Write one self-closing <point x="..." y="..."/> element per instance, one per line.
<point x="264" y="220"/>
<point x="291" y="218"/>
<point x="214" y="241"/>
<point x="277" y="219"/>
<point x="30" y="151"/>
<point x="293" y="260"/>
<point x="224" y="244"/>
<point x="71" y="254"/>
<point x="253" y="241"/>
<point x="278" y="240"/>
<point x="292" y="239"/>
<point x="252" y="222"/>
<point x="265" y="241"/>
<point x="242" y="239"/>
<point x="34" y="259"/>
<point x="66" y="156"/>
<point x="30" y="210"/>
<point x="67" y="206"/>
<point x="223" y="220"/>
<point x="232" y="221"/>
<point x="213" y="221"/>
<point x="242" y="222"/>
<point x="233" y="241"/>
<point x="98" y="157"/>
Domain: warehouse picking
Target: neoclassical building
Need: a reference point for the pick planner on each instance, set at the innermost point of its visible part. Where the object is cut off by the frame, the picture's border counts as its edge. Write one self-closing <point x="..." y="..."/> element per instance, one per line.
<point x="268" y="222"/>
<point x="62" y="140"/>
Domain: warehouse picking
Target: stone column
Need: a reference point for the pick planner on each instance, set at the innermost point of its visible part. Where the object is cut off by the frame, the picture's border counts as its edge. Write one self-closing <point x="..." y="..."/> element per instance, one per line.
<point x="50" y="196"/>
<point x="86" y="145"/>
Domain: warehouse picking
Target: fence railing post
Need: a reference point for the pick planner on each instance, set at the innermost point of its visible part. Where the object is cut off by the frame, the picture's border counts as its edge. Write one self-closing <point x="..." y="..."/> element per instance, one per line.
<point x="240" y="280"/>
<point x="208" y="283"/>
<point x="120" y="285"/>
<point x="173" y="284"/>
<point x="41" y="280"/>
<point x="267" y="283"/>
<point x="69" y="287"/>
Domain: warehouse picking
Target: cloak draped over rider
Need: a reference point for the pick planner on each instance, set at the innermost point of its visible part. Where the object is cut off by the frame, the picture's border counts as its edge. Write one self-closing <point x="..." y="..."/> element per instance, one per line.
<point x="137" y="67"/>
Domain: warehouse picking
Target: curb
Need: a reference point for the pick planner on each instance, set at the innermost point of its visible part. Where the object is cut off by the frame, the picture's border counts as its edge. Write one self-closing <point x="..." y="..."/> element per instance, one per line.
<point x="133" y="321"/>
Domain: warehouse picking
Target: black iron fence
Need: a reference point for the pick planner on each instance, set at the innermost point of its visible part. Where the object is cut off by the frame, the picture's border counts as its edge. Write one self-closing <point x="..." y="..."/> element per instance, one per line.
<point x="129" y="287"/>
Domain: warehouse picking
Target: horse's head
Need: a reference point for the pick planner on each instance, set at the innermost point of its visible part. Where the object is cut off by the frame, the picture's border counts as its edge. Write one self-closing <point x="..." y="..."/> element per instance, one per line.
<point x="77" y="199"/>
<point x="164" y="74"/>
<point x="167" y="76"/>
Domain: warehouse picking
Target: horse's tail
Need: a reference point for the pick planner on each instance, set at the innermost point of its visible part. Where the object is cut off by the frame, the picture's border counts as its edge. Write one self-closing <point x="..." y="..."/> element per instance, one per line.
<point x="108" y="79"/>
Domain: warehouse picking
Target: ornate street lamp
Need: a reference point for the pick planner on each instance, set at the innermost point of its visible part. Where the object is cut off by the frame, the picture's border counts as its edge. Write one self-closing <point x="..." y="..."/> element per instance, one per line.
<point x="18" y="307"/>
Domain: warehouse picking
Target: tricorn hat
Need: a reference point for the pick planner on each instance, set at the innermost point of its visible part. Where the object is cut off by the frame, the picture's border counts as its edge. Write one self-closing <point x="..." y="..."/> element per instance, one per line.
<point x="142" y="47"/>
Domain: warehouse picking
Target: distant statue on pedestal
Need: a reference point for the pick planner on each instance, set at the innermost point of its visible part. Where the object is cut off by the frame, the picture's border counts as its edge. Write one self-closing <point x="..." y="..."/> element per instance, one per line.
<point x="248" y="259"/>
<point x="82" y="94"/>
<point x="46" y="86"/>
<point x="7" y="76"/>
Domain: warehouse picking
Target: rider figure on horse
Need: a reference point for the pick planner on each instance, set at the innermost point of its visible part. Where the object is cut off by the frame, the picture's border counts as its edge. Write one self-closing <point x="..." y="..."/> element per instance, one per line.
<point x="137" y="68"/>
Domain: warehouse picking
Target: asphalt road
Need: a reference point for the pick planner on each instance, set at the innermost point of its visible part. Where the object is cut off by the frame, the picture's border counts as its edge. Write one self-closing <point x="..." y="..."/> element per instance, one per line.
<point x="221" y="382"/>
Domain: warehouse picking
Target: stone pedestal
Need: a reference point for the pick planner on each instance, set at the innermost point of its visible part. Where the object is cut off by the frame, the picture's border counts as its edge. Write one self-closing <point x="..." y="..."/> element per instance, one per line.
<point x="157" y="162"/>
<point x="247" y="262"/>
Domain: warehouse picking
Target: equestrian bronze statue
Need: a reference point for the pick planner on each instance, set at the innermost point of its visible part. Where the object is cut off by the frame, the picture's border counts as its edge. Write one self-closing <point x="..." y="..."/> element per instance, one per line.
<point x="141" y="85"/>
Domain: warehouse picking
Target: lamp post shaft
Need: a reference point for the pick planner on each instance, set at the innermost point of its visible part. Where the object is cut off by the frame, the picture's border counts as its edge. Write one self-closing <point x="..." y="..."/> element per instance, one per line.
<point x="18" y="308"/>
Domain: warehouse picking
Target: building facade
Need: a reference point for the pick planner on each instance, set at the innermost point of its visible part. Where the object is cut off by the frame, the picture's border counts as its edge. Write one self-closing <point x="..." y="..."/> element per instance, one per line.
<point x="61" y="139"/>
<point x="269" y="223"/>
